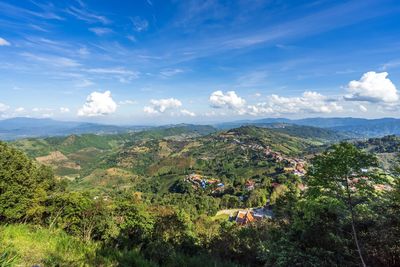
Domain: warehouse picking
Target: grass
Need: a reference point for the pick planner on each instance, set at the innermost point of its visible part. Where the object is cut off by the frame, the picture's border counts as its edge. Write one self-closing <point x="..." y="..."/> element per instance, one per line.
<point x="25" y="245"/>
<point x="29" y="245"/>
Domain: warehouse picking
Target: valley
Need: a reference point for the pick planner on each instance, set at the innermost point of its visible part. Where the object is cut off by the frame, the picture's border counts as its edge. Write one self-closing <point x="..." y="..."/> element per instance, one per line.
<point x="182" y="186"/>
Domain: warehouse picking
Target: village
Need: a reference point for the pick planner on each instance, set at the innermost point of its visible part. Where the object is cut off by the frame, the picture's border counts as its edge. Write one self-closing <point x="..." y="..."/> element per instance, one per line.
<point x="295" y="166"/>
<point x="215" y="186"/>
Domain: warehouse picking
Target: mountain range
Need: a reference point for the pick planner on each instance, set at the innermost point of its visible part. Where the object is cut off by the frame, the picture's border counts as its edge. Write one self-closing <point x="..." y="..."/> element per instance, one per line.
<point x="348" y="127"/>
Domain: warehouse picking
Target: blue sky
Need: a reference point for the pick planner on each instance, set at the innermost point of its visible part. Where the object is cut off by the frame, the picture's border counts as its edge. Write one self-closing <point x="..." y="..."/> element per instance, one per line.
<point x="155" y="62"/>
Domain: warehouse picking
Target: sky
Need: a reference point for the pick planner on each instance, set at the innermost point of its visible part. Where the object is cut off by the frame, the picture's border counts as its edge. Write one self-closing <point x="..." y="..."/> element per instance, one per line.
<point x="170" y="61"/>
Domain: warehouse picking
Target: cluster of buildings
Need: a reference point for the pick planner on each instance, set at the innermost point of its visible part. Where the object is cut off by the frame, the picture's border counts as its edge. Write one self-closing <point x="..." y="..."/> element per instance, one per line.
<point x="200" y="181"/>
<point x="297" y="167"/>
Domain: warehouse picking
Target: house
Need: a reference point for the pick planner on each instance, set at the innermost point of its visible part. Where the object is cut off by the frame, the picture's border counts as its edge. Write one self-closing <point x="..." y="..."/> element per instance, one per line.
<point x="244" y="217"/>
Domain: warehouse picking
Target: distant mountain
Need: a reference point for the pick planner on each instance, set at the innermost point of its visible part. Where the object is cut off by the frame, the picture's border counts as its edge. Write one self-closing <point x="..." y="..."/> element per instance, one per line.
<point x="352" y="127"/>
<point x="333" y="128"/>
<point x="17" y="128"/>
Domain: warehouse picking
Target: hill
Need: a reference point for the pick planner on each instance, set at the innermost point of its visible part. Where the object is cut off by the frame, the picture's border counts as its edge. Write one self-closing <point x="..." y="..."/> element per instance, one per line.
<point x="78" y="155"/>
<point x="233" y="157"/>
<point x="386" y="148"/>
<point x="350" y="127"/>
<point x="309" y="132"/>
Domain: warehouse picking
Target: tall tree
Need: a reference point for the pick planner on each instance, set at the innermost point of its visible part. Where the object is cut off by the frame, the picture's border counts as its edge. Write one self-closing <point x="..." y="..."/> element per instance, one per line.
<point x="346" y="173"/>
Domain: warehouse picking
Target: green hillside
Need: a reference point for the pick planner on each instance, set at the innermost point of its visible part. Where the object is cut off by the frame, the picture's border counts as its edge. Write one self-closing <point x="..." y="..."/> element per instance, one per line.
<point x="309" y="132"/>
<point x="386" y="148"/>
<point x="175" y="200"/>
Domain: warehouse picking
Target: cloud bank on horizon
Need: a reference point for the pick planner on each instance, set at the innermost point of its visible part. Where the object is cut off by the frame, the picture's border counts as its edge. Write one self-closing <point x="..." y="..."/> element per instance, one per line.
<point x="184" y="61"/>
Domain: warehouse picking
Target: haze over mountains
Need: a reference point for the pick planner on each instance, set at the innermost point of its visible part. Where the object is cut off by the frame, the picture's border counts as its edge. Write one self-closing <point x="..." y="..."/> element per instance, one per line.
<point x="20" y="127"/>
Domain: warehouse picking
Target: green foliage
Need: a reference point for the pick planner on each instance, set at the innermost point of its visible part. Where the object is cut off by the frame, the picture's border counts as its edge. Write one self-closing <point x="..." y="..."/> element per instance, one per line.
<point x="24" y="186"/>
<point x="134" y="221"/>
<point x="257" y="198"/>
<point x="387" y="144"/>
<point x="82" y="215"/>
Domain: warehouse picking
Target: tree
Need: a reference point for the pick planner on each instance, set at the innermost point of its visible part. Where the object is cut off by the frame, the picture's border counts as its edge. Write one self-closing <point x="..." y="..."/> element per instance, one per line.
<point x="134" y="220"/>
<point x="258" y="197"/>
<point x="24" y="186"/>
<point x="79" y="214"/>
<point x="344" y="172"/>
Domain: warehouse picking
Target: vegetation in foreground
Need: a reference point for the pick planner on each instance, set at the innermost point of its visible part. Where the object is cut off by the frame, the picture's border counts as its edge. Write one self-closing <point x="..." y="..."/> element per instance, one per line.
<point x="347" y="212"/>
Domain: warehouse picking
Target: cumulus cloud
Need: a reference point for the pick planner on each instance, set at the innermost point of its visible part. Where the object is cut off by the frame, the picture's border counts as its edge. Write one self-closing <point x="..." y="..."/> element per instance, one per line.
<point x="20" y="109"/>
<point x="230" y="100"/>
<point x="4" y="42"/>
<point x="161" y="105"/>
<point x="98" y="104"/>
<point x="309" y="102"/>
<point x="373" y="87"/>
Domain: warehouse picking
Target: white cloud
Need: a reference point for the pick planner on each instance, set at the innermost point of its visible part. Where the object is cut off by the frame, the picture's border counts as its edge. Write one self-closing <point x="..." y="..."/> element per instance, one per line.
<point x="186" y="112"/>
<point x="3" y="107"/>
<point x="42" y="109"/>
<point x="4" y="42"/>
<point x="127" y="102"/>
<point x="83" y="14"/>
<point x="47" y="115"/>
<point x="52" y="60"/>
<point x="150" y="110"/>
<point x="100" y="31"/>
<point x="391" y="64"/>
<point x="64" y="110"/>
<point x="98" y="104"/>
<point x="362" y="108"/>
<point x="230" y="100"/>
<point x="373" y="87"/>
<point x="161" y="105"/>
<point x="122" y="74"/>
<point x="309" y="102"/>
<point x="118" y="70"/>
<point x="170" y="72"/>
<point x="20" y="109"/>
